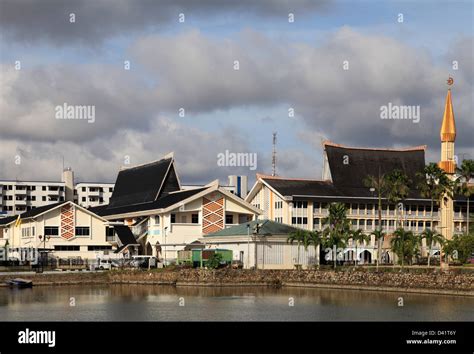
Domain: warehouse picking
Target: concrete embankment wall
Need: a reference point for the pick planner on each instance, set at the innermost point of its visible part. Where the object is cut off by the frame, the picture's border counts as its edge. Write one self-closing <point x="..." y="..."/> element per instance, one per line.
<point x="456" y="282"/>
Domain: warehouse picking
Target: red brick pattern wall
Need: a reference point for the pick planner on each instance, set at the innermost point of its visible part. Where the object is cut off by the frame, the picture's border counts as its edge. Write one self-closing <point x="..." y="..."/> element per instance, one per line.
<point x="67" y="221"/>
<point x="213" y="214"/>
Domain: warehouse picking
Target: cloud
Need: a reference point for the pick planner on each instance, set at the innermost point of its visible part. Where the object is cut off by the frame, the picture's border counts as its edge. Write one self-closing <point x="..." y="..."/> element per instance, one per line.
<point x="31" y="20"/>
<point x="195" y="71"/>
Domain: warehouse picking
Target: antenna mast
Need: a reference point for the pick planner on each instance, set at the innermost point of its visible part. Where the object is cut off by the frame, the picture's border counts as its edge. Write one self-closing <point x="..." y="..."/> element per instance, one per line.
<point x="274" y="154"/>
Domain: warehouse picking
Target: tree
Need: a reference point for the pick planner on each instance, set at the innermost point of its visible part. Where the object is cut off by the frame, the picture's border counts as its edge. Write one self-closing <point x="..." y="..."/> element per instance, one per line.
<point x="358" y="236"/>
<point x="378" y="235"/>
<point x="214" y="261"/>
<point x="398" y="188"/>
<point x="379" y="185"/>
<point x="316" y="240"/>
<point x="460" y="247"/>
<point x="300" y="237"/>
<point x="432" y="237"/>
<point x="466" y="173"/>
<point x="337" y="229"/>
<point x="433" y="184"/>
<point x="405" y="245"/>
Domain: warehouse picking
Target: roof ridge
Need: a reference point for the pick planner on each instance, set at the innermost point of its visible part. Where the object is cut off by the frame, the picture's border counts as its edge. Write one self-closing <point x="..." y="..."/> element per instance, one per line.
<point x="262" y="176"/>
<point x="166" y="157"/>
<point x="411" y="148"/>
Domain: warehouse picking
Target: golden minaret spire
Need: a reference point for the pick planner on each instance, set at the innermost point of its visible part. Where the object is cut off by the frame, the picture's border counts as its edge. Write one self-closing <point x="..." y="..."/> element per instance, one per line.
<point x="448" y="135"/>
<point x="448" y="164"/>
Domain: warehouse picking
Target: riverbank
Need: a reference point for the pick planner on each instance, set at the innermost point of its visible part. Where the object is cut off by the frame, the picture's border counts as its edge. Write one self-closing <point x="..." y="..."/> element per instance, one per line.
<point x="412" y="280"/>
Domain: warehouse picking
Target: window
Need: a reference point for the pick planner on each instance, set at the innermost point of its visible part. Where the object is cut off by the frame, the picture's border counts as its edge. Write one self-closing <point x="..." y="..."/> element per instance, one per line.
<point x="66" y="248"/>
<point x="82" y="231"/>
<point x="195" y="218"/>
<point x="83" y="199"/>
<point x="109" y="231"/>
<point x="173" y="218"/>
<point x="157" y="220"/>
<point x="98" y="248"/>
<point x="43" y="188"/>
<point x="279" y="205"/>
<point x="43" y="199"/>
<point x="83" y="189"/>
<point x="300" y="205"/>
<point x="279" y="219"/>
<point x="33" y="188"/>
<point x="51" y="231"/>
<point x="111" y="190"/>
<point x="229" y="218"/>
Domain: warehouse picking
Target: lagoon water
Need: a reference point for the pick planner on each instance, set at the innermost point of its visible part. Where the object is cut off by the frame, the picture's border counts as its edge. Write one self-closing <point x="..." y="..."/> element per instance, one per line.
<point x="167" y="303"/>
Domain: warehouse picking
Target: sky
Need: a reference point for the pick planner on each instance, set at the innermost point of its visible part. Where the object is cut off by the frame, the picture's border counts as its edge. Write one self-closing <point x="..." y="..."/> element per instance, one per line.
<point x="335" y="65"/>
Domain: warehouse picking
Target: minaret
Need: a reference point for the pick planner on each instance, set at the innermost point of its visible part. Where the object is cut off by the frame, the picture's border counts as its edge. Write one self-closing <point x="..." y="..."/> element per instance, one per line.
<point x="448" y="164"/>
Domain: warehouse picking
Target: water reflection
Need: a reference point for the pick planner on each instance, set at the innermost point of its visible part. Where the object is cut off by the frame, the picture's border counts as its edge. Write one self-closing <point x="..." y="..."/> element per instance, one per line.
<point x="155" y="302"/>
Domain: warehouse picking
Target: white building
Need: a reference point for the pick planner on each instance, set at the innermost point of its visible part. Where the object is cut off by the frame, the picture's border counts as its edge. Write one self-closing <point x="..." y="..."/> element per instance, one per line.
<point x="62" y="229"/>
<point x="20" y="196"/>
<point x="163" y="216"/>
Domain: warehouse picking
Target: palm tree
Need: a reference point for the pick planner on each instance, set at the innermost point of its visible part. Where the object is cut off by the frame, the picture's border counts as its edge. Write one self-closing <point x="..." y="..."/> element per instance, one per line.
<point x="300" y="237"/>
<point x="401" y="242"/>
<point x="398" y="187"/>
<point x="432" y="237"/>
<point x="433" y="184"/>
<point x="358" y="236"/>
<point x="337" y="228"/>
<point x="316" y="240"/>
<point x="466" y="173"/>
<point x="379" y="185"/>
<point x="379" y="235"/>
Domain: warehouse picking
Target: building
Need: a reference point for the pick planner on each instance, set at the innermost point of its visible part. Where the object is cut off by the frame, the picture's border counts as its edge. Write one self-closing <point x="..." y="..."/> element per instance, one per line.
<point x="164" y="217"/>
<point x="20" y="196"/>
<point x="262" y="244"/>
<point x="64" y="230"/>
<point x="304" y="203"/>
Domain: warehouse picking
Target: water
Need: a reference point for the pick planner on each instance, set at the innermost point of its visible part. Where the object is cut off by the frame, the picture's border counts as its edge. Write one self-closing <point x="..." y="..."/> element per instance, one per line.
<point x="162" y="303"/>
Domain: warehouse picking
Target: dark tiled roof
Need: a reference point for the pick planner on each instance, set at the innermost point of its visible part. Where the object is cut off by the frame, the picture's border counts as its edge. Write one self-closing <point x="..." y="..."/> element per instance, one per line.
<point x="290" y="187"/>
<point x="142" y="184"/>
<point x="125" y="235"/>
<point x="266" y="227"/>
<point x="30" y="213"/>
<point x="162" y="202"/>
<point x="7" y="220"/>
<point x="364" y="162"/>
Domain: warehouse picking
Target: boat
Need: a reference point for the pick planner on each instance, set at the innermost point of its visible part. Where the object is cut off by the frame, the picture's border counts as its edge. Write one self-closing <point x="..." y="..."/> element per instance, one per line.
<point x="20" y="283"/>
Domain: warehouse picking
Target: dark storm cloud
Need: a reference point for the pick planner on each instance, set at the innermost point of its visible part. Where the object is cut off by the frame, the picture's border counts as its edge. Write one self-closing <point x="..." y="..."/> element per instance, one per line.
<point x="96" y="20"/>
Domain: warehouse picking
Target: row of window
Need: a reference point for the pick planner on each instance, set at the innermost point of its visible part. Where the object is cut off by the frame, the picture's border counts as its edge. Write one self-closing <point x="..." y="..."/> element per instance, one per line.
<point x="79" y="231"/>
<point x="33" y="198"/>
<point x="78" y="248"/>
<point x="229" y="219"/>
<point x="33" y="188"/>
<point x="279" y="205"/>
<point x="96" y="189"/>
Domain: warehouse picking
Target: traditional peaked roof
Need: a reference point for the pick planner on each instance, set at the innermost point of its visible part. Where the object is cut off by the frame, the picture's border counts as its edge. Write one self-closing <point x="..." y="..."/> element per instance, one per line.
<point x="41" y="210"/>
<point x="448" y="127"/>
<point x="125" y="236"/>
<point x="296" y="186"/>
<point x="266" y="227"/>
<point x="144" y="183"/>
<point x="30" y="213"/>
<point x="350" y="166"/>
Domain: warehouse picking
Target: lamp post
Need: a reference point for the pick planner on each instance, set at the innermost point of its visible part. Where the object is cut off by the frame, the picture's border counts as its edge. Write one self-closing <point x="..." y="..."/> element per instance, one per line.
<point x="248" y="246"/>
<point x="45" y="238"/>
<point x="164" y="248"/>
